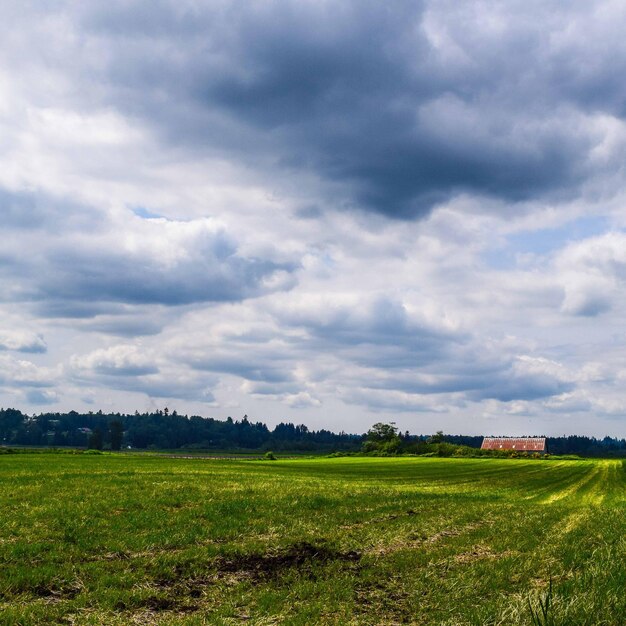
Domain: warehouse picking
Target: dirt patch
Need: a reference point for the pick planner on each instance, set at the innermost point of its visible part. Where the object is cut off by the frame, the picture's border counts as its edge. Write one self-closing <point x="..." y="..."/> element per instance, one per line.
<point x="56" y="591"/>
<point x="180" y="592"/>
<point x="301" y="555"/>
<point x="257" y="567"/>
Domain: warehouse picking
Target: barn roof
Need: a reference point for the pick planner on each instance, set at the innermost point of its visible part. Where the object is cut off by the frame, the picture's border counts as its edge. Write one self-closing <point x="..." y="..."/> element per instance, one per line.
<point x="523" y="444"/>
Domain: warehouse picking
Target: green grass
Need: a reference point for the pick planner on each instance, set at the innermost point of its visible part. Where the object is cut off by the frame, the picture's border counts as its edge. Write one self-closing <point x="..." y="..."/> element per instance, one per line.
<point x="120" y="539"/>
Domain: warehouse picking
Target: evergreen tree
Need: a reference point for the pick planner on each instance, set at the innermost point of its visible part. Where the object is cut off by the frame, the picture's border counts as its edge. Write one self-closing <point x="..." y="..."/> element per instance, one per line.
<point x="96" y="440"/>
<point x="116" y="434"/>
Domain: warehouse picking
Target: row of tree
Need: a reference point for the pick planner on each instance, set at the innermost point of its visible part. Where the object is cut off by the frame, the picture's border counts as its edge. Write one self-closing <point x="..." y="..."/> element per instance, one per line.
<point x="164" y="430"/>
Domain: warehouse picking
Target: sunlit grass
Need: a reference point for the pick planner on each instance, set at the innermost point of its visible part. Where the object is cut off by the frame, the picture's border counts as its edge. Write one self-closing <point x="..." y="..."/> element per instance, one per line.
<point x="122" y="540"/>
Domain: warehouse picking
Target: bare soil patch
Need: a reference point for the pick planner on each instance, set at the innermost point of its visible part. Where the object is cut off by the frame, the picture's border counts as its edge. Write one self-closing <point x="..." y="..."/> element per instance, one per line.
<point x="300" y="555"/>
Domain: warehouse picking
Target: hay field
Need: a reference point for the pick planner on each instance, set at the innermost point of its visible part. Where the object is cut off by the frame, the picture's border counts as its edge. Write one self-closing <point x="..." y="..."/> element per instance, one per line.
<point x="118" y="539"/>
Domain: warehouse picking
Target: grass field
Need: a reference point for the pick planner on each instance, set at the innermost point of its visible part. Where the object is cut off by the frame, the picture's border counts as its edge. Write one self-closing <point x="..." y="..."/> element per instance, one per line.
<point x="122" y="540"/>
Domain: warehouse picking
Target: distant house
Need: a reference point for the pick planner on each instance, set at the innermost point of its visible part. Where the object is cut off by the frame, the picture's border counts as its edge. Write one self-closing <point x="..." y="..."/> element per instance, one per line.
<point x="519" y="444"/>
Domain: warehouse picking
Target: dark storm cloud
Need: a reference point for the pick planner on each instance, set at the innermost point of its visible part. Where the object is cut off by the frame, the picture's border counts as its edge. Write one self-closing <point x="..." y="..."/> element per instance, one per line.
<point x="364" y="95"/>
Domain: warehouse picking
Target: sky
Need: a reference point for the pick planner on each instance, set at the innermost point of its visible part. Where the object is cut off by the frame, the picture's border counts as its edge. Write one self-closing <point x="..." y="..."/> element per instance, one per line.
<point x="330" y="213"/>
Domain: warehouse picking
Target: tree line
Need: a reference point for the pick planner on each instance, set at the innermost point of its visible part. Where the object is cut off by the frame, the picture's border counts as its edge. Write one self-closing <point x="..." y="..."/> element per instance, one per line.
<point x="385" y="438"/>
<point x="162" y="429"/>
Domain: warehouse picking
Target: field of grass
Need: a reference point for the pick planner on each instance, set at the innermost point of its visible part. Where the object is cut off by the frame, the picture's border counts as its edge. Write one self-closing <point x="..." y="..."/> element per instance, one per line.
<point x="117" y="539"/>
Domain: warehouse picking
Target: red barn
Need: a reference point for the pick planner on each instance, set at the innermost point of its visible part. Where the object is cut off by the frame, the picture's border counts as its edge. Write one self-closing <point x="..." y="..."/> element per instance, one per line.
<point x="519" y="444"/>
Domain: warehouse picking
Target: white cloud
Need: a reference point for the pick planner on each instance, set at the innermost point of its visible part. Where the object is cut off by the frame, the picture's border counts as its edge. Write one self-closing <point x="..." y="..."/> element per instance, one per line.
<point x="21" y="341"/>
<point x="119" y="360"/>
<point x="20" y="373"/>
<point x="593" y="271"/>
<point x="326" y="215"/>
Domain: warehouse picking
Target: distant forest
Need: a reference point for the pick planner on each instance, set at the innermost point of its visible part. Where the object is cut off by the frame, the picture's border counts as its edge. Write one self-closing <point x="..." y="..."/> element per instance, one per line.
<point x="170" y="431"/>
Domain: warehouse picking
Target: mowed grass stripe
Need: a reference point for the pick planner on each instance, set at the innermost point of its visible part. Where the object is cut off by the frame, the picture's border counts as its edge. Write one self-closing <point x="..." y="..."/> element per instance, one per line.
<point x="572" y="490"/>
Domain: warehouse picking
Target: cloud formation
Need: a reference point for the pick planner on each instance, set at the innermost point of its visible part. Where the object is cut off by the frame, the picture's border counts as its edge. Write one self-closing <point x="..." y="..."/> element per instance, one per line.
<point x="319" y="212"/>
<point x="128" y="260"/>
<point x="396" y="107"/>
<point x="21" y="341"/>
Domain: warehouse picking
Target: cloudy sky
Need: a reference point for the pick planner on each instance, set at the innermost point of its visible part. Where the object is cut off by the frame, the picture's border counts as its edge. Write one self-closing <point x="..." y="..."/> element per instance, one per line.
<point x="334" y="213"/>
